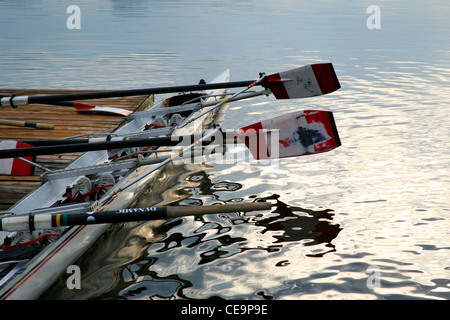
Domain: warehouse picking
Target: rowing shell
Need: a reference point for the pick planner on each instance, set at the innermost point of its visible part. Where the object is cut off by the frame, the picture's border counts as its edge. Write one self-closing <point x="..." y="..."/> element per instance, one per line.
<point x="53" y="260"/>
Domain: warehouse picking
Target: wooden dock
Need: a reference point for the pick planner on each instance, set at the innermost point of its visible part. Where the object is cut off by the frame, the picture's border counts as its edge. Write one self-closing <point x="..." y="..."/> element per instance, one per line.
<point x="67" y="122"/>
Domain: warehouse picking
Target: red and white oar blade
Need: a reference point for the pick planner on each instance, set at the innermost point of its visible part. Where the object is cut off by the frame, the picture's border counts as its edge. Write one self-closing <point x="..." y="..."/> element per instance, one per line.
<point x="307" y="81"/>
<point x="295" y="134"/>
<point x="83" y="107"/>
<point x="14" y="166"/>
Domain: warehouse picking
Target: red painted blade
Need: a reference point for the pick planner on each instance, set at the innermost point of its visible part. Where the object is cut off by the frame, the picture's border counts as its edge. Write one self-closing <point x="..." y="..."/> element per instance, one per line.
<point x="14" y="166"/>
<point x="307" y="81"/>
<point x="295" y="134"/>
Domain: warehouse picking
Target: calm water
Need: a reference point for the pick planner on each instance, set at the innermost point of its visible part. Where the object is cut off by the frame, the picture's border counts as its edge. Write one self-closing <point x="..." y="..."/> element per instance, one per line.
<point x="369" y="220"/>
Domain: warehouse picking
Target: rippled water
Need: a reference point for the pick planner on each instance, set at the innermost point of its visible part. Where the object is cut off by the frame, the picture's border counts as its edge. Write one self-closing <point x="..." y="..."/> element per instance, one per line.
<point x="368" y="220"/>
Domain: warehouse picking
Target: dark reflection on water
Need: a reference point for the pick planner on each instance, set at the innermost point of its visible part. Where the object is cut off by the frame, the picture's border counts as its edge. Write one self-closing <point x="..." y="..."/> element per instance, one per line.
<point x="316" y="226"/>
<point x="151" y="286"/>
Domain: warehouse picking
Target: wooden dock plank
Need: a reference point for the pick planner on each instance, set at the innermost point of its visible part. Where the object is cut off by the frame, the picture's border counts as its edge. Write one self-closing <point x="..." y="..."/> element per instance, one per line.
<point x="67" y="122"/>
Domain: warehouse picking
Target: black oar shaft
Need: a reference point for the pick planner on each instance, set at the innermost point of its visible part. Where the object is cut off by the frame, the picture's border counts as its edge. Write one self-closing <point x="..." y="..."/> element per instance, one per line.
<point x="94" y="146"/>
<point x="44" y="221"/>
<point x="133" y="92"/>
<point x="46" y="147"/>
<point x="152" y="213"/>
<point x="125" y="215"/>
<point x="54" y="142"/>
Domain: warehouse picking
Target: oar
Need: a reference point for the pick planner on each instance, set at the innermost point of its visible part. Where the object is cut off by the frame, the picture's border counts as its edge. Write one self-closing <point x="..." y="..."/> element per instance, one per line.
<point x="251" y="85"/>
<point x="17" y="123"/>
<point x="71" y="147"/>
<point x="307" y="81"/>
<point x="45" y="99"/>
<point x="44" y="221"/>
<point x="303" y="133"/>
<point x="84" y="107"/>
<point x="298" y="133"/>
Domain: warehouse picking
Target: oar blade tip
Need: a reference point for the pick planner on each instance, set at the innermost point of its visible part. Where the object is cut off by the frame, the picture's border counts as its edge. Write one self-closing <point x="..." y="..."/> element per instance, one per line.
<point x="326" y="77"/>
<point x="307" y="81"/>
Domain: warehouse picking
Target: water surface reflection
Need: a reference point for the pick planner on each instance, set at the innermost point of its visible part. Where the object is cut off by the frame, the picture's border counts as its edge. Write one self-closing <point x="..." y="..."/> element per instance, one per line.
<point x="198" y="258"/>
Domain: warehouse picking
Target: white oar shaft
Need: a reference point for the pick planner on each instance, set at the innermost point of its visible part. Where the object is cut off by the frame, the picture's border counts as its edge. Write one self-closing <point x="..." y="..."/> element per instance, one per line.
<point x="230" y="98"/>
<point x="240" y="96"/>
<point x="34" y="164"/>
<point x="14" y="101"/>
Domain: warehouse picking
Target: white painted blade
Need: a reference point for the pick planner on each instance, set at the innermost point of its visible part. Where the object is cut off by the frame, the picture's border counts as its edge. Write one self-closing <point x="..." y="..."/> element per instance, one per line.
<point x="90" y="108"/>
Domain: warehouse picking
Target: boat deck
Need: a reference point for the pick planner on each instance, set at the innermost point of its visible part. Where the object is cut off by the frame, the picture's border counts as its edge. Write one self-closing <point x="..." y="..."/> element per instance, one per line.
<point x="66" y="121"/>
